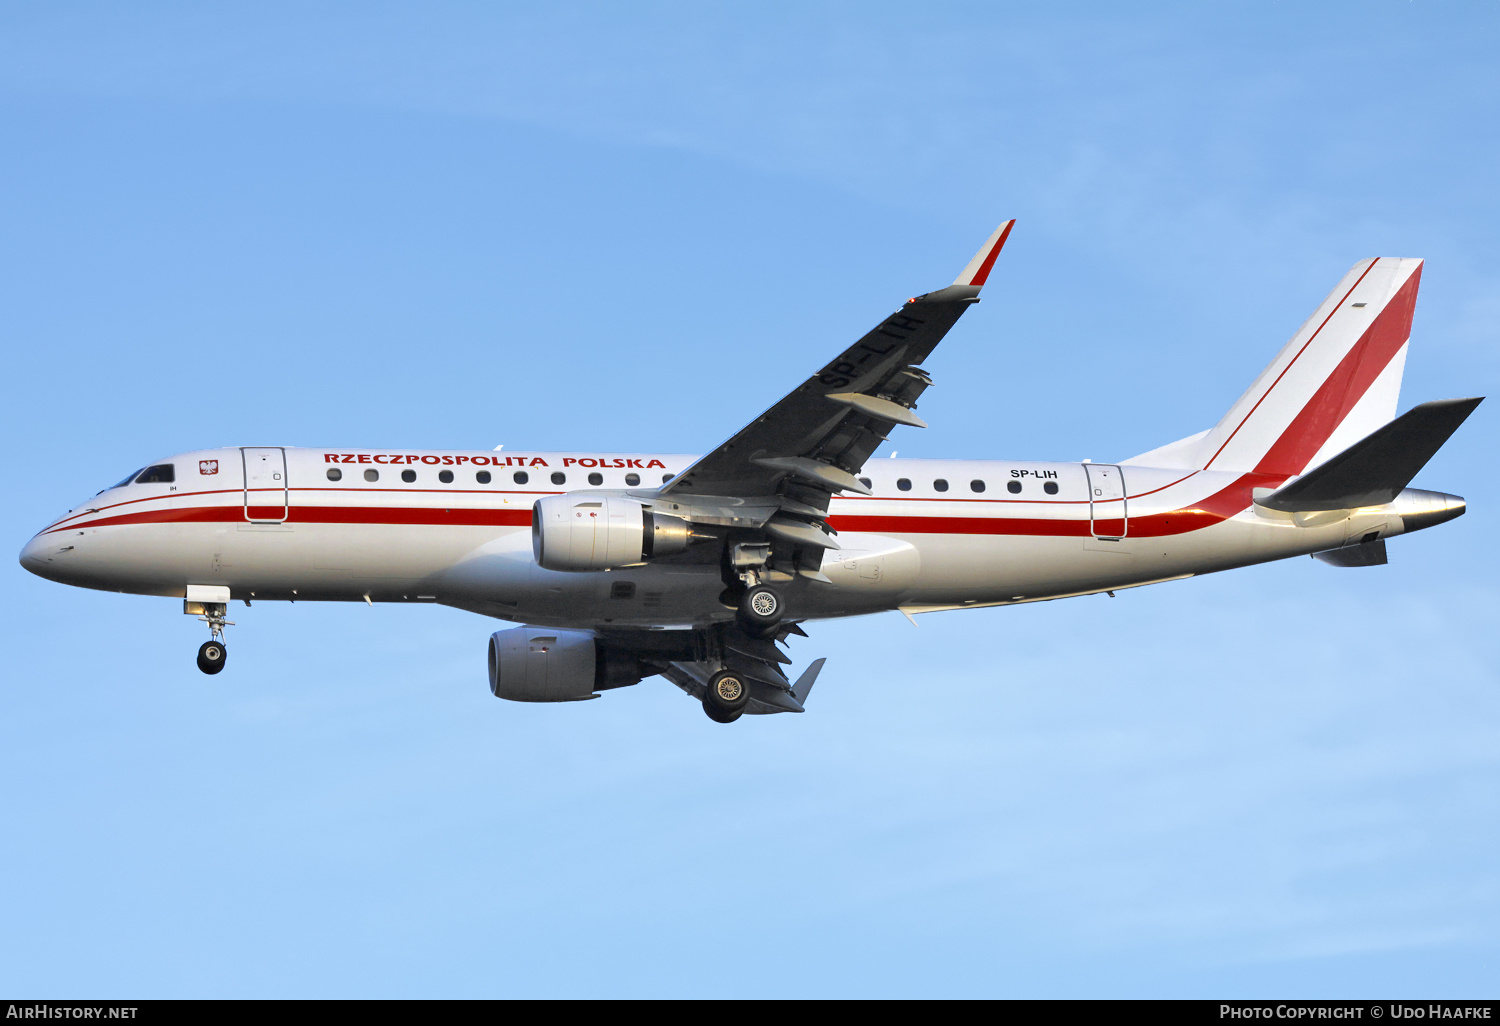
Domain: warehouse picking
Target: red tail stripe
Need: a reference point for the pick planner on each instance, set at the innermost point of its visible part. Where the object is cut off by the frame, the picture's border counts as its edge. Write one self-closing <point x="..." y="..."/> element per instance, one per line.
<point x="1336" y="307"/>
<point x="1350" y="380"/>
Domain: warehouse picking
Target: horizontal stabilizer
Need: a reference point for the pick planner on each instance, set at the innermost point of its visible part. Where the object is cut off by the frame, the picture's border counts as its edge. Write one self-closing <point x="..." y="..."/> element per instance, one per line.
<point x="1370" y="553"/>
<point x="1374" y="470"/>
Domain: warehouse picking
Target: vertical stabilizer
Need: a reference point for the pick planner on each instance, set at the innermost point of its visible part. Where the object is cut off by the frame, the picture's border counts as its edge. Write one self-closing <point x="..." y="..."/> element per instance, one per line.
<point x="1337" y="380"/>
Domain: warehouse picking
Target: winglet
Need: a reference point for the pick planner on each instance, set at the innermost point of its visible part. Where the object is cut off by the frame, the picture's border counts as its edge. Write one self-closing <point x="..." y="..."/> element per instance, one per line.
<point x="978" y="270"/>
<point x="805" y="682"/>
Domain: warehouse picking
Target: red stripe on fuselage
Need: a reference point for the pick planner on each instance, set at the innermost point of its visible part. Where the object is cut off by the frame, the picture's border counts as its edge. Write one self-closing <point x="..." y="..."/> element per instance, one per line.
<point x="1156" y="525"/>
<point x="1287" y="456"/>
<point x="452" y="517"/>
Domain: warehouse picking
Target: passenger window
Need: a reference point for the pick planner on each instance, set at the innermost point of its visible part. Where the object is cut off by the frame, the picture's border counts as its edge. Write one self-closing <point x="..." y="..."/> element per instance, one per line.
<point x="335" y="474"/>
<point x="559" y="477"/>
<point x="408" y="476"/>
<point x="667" y="477"/>
<point x="445" y="476"/>
<point x="1050" y="487"/>
<point x="596" y="479"/>
<point x="164" y="473"/>
<point x="976" y="486"/>
<point x="520" y="477"/>
<point x="940" y="484"/>
<point x="904" y="484"/>
<point x="372" y="475"/>
<point x="483" y="477"/>
<point x="866" y="482"/>
<point x="632" y="479"/>
<point x="1014" y="487"/>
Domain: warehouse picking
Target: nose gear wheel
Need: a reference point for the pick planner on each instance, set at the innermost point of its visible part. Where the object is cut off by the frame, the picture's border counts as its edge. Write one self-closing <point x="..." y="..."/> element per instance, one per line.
<point x="211" y="656"/>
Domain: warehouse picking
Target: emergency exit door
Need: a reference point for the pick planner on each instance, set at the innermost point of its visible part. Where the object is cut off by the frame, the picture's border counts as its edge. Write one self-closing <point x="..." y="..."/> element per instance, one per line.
<point x="265" y="485"/>
<point x="1107" y="500"/>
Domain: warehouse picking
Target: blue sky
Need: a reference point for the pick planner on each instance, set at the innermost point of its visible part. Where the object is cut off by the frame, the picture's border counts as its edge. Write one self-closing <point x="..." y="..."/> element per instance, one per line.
<point x="632" y="227"/>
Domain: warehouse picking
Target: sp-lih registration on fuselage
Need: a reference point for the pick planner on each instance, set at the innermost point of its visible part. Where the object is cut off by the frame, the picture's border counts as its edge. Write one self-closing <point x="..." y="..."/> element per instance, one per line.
<point x="699" y="568"/>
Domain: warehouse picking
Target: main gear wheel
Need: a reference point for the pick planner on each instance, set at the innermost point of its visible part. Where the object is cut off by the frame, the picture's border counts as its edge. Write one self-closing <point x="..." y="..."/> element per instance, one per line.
<point x="761" y="608"/>
<point x="725" y="697"/>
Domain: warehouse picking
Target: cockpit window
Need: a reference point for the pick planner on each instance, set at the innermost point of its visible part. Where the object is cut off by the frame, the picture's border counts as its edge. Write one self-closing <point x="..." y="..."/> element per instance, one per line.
<point x="128" y="478"/>
<point x="162" y="473"/>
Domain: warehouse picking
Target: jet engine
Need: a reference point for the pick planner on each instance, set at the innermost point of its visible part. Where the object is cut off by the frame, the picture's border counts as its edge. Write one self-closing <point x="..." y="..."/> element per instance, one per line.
<point x="535" y="664"/>
<point x="589" y="531"/>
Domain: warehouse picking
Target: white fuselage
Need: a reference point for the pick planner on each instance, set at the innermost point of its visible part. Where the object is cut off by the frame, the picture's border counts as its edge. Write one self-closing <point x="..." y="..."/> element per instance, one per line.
<point x="272" y="523"/>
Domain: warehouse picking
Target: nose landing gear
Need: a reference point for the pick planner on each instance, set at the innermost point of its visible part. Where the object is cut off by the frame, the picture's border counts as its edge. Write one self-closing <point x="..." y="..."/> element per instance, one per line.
<point x="211" y="656"/>
<point x="212" y="653"/>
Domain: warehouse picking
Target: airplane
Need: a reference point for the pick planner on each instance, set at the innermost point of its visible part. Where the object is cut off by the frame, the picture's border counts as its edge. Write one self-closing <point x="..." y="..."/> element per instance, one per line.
<point x="621" y="567"/>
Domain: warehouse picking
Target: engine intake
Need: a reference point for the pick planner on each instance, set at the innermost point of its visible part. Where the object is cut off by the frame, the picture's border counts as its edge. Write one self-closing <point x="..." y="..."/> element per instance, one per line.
<point x="579" y="531"/>
<point x="535" y="664"/>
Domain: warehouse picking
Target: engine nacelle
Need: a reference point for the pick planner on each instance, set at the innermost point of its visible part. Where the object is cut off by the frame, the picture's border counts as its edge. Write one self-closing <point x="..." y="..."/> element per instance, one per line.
<point x="536" y="664"/>
<point x="588" y="531"/>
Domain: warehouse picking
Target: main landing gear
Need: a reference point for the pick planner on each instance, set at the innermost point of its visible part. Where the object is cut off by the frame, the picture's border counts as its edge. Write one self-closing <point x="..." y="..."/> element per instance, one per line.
<point x="213" y="653"/>
<point x="725" y="698"/>
<point x="759" y="611"/>
<point x="759" y="608"/>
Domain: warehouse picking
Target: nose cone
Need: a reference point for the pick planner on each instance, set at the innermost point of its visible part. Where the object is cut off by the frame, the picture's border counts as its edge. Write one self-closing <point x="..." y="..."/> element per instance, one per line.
<point x="1419" y="509"/>
<point x="41" y="554"/>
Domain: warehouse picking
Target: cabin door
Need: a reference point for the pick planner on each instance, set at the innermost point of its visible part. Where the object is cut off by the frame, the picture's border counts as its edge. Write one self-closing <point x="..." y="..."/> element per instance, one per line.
<point x="265" y="485"/>
<point x="1107" y="500"/>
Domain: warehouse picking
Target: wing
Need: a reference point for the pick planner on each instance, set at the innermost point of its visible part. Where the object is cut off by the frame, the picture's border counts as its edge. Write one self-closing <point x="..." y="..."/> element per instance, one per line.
<point x="812" y="443"/>
<point x="690" y="658"/>
<point x="770" y="486"/>
<point x="758" y="660"/>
